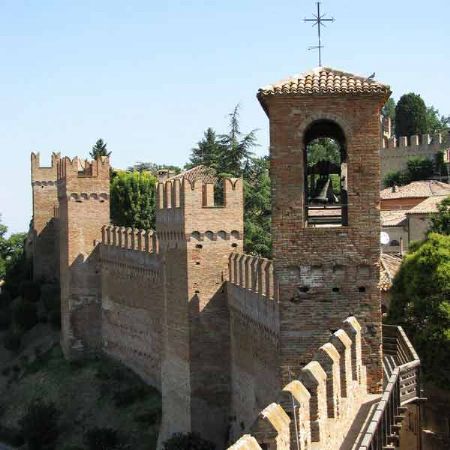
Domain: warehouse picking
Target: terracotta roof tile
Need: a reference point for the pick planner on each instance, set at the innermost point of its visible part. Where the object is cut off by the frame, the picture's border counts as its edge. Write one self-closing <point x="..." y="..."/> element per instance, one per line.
<point x="324" y="81"/>
<point x="427" y="206"/>
<point x="203" y="173"/>
<point x="389" y="266"/>
<point x="424" y="189"/>
<point x="392" y="218"/>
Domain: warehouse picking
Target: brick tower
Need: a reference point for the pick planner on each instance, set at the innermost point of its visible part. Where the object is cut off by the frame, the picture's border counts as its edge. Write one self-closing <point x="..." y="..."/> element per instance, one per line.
<point x="83" y="192"/>
<point x="195" y="239"/>
<point x="44" y="228"/>
<point x="326" y="246"/>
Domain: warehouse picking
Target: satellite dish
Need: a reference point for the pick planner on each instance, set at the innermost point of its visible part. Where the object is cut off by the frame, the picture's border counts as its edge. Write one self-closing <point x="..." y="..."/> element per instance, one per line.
<point x="384" y="238"/>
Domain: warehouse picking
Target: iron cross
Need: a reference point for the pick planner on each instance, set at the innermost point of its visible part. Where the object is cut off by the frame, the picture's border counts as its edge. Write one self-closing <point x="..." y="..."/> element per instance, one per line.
<point x="319" y="21"/>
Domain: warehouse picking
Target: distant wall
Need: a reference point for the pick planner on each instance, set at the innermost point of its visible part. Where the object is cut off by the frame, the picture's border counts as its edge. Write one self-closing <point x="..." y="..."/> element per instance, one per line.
<point x="132" y="296"/>
<point x="395" y="152"/>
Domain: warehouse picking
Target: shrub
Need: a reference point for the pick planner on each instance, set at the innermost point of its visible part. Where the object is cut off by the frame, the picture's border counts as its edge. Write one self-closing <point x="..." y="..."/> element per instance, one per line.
<point x="39" y="426"/>
<point x="397" y="178"/>
<point x="187" y="441"/>
<point x="5" y="318"/>
<point x="101" y="439"/>
<point x="12" y="341"/>
<point x="25" y="315"/>
<point x="29" y="290"/>
<point x="419" y="168"/>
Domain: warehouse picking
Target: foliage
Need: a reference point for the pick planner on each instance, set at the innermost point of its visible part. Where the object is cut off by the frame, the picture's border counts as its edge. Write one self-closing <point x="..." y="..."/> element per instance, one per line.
<point x="11" y="249"/>
<point x="257" y="206"/>
<point x="417" y="168"/>
<point x="410" y="115"/>
<point x="101" y="439"/>
<point x="187" y="441"/>
<point x="435" y="122"/>
<point x="440" y="221"/>
<point x="208" y="152"/>
<point x="39" y="426"/>
<point x="99" y="149"/>
<point x="12" y="340"/>
<point x="25" y="315"/>
<point x="388" y="110"/>
<point x="323" y="149"/>
<point x="152" y="167"/>
<point x="133" y="199"/>
<point x="421" y="303"/>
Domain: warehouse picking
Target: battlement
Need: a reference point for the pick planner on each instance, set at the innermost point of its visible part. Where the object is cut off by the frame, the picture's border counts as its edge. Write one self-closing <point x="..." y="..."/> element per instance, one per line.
<point x="319" y="406"/>
<point x="83" y="168"/>
<point x="44" y="174"/>
<point x="414" y="141"/>
<point x="252" y="273"/>
<point x="129" y="238"/>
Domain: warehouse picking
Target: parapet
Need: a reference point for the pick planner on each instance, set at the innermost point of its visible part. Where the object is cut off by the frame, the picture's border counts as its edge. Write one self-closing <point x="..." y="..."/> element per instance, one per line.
<point x="83" y="168"/>
<point x="412" y="142"/>
<point x="311" y="405"/>
<point x="129" y="238"/>
<point x="44" y="174"/>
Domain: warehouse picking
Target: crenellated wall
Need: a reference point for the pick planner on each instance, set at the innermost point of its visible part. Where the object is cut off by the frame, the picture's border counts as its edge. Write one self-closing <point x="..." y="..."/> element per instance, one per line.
<point x="395" y="152"/>
<point x="319" y="408"/>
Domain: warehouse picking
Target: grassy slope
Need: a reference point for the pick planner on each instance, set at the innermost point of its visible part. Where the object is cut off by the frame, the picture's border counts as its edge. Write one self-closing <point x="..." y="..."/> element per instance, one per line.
<point x="96" y="393"/>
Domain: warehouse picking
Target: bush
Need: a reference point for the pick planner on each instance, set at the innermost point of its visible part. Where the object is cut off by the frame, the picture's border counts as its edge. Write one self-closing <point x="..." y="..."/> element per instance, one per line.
<point x="397" y="178"/>
<point x="419" y="168"/>
<point x="25" y="315"/>
<point x="29" y="290"/>
<point x="101" y="439"/>
<point x="39" y="426"/>
<point x="187" y="441"/>
<point x="12" y="341"/>
<point x="5" y="318"/>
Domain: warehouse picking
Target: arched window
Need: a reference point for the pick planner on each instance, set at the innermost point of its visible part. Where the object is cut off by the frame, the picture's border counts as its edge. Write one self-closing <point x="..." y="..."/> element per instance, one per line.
<point x="394" y="243"/>
<point x="325" y="163"/>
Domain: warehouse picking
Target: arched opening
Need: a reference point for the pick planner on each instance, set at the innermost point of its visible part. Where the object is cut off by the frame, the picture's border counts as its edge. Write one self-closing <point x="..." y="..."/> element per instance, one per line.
<point x="325" y="187"/>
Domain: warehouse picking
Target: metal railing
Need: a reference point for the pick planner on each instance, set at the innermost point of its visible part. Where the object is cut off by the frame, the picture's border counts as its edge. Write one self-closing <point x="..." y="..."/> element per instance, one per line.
<point x="403" y="387"/>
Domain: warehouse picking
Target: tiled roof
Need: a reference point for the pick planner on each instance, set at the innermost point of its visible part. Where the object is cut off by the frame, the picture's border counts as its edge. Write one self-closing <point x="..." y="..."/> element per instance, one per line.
<point x="389" y="266"/>
<point x="424" y="189"/>
<point x="203" y="173"/>
<point x="427" y="206"/>
<point x="324" y="80"/>
<point x="392" y="218"/>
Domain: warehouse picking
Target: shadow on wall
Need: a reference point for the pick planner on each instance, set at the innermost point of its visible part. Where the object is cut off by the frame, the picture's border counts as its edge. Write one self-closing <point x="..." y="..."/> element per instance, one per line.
<point x="46" y="253"/>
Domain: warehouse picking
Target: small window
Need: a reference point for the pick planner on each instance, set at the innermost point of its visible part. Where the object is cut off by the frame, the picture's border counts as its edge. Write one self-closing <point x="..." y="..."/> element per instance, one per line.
<point x="394" y="243"/>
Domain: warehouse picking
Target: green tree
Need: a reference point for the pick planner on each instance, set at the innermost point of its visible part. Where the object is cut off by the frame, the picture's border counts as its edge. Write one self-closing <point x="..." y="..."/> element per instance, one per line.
<point x="99" y="149"/>
<point x="410" y="115"/>
<point x="133" y="199"/>
<point x="39" y="426"/>
<point x="11" y="249"/>
<point x="440" y="221"/>
<point x="236" y="147"/>
<point x="435" y="122"/>
<point x="257" y="208"/>
<point x="152" y="167"/>
<point x="419" y="168"/>
<point x="420" y="302"/>
<point x="208" y="152"/>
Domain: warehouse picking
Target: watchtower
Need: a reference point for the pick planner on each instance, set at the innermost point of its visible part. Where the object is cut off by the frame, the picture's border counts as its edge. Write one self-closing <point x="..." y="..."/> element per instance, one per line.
<point x="196" y="236"/>
<point x="44" y="226"/>
<point x="83" y="193"/>
<point x="325" y="171"/>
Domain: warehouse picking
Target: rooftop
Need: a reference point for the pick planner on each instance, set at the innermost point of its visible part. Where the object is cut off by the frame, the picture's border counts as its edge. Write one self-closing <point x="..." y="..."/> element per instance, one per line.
<point x="324" y="81"/>
<point x="393" y="218"/>
<point x="203" y="173"/>
<point x="430" y="205"/>
<point x="389" y="266"/>
<point x="416" y="189"/>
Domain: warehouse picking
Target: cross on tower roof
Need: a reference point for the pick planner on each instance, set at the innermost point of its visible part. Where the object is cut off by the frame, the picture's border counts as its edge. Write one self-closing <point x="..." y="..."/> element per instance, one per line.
<point x="318" y="20"/>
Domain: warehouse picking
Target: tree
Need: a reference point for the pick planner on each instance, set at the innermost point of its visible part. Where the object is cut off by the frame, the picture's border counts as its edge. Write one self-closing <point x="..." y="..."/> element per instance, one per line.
<point x="419" y="168"/>
<point x="440" y="221"/>
<point x="410" y="115"/>
<point x="133" y="199"/>
<point x="208" y="152"/>
<point x="39" y="426"/>
<point x="11" y="249"/>
<point x="420" y="302"/>
<point x="152" y="167"/>
<point x="388" y="111"/>
<point x="435" y="122"/>
<point x="237" y="147"/>
<point x="99" y="149"/>
<point x="257" y="208"/>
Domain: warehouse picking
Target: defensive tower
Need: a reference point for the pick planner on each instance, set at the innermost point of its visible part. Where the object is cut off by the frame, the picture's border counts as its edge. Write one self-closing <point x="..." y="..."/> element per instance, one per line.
<point x="325" y="242"/>
<point x="83" y="193"/>
<point x="44" y="227"/>
<point x="196" y="237"/>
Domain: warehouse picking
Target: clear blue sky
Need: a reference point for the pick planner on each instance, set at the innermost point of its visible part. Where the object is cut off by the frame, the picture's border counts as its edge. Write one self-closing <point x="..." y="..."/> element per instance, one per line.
<point x="150" y="76"/>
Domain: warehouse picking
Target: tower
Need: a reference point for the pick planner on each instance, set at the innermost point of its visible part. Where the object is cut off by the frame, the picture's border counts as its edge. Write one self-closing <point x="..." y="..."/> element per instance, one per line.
<point x="325" y="211"/>
<point x="196" y="237"/>
<point x="83" y="193"/>
<point x="44" y="226"/>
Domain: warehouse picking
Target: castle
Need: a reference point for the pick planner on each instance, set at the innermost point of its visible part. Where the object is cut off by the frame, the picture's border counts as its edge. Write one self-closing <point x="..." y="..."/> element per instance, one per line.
<point x="288" y="353"/>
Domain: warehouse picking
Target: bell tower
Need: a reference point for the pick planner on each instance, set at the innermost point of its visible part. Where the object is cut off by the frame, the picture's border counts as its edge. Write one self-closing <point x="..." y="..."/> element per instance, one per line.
<point x="325" y="171"/>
